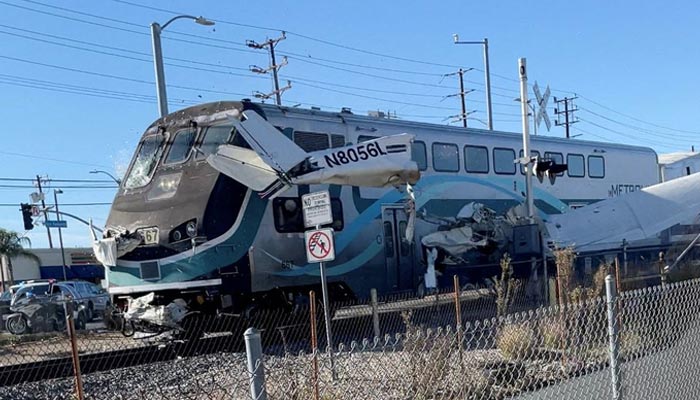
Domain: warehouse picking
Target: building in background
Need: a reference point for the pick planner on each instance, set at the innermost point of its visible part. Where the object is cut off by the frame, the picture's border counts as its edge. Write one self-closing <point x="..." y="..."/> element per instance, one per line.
<point x="81" y="264"/>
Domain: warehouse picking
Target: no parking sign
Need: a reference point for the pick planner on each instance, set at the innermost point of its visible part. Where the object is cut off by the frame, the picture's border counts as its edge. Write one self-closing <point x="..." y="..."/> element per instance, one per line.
<point x="319" y="245"/>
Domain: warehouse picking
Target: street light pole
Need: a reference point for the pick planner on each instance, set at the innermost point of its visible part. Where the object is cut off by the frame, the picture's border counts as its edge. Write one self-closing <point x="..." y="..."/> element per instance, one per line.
<point x="60" y="235"/>
<point x="99" y="171"/>
<point x="156" y="30"/>
<point x="487" y="73"/>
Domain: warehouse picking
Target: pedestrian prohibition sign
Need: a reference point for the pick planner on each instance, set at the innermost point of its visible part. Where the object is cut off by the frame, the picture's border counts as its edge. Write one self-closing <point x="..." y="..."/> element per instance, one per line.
<point x="319" y="245"/>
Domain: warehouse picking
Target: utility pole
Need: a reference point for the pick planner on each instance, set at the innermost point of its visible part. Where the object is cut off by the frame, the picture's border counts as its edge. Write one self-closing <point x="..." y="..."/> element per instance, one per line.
<point x="274" y="67"/>
<point x="462" y="94"/>
<point x="56" y="192"/>
<point x="568" y="113"/>
<point x="43" y="207"/>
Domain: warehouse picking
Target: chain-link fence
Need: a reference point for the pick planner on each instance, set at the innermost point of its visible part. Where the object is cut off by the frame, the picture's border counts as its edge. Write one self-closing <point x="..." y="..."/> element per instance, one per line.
<point x="465" y="343"/>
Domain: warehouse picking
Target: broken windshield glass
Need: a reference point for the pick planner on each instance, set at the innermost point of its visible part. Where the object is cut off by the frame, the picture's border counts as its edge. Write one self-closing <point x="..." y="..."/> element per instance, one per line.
<point x="145" y="162"/>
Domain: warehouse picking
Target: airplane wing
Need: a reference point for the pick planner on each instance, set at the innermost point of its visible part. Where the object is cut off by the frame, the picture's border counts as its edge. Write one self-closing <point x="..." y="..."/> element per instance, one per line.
<point x="243" y="165"/>
<point x="634" y="216"/>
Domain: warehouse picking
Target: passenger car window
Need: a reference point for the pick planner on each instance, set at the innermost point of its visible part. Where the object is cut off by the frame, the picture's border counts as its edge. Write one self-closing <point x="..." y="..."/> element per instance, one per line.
<point x="596" y="167"/>
<point x="476" y="159"/>
<point x="310" y="141"/>
<point x="418" y="155"/>
<point x="576" y="165"/>
<point x="445" y="157"/>
<point x="213" y="138"/>
<point x="147" y="156"/>
<point x="181" y="146"/>
<point x="504" y="161"/>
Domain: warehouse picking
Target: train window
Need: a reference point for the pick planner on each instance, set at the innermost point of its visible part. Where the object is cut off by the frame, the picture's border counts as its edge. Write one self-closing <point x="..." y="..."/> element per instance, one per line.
<point x="337" y="140"/>
<point x="558" y="158"/>
<point x="181" y="146"/>
<point x="504" y="161"/>
<point x="476" y="159"/>
<point x="310" y="141"/>
<point x="364" y="138"/>
<point x="596" y="167"/>
<point x="419" y="155"/>
<point x="576" y="165"/>
<point x="214" y="137"/>
<point x="289" y="218"/>
<point x="388" y="240"/>
<point x="445" y="157"/>
<point x="145" y="161"/>
<point x="533" y="153"/>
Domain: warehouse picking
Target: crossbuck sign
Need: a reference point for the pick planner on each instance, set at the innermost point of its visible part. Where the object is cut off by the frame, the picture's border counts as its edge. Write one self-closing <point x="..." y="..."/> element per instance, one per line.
<point x="542" y="106"/>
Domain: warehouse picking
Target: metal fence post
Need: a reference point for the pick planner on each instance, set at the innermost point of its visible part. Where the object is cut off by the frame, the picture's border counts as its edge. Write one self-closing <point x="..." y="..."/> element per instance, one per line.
<point x="458" y="316"/>
<point x="256" y="369"/>
<point x="613" y="335"/>
<point x="375" y="312"/>
<point x="70" y="326"/>
<point x="314" y="341"/>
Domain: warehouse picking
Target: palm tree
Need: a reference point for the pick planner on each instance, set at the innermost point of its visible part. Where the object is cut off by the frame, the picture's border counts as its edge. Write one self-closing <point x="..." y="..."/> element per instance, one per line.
<point x="12" y="245"/>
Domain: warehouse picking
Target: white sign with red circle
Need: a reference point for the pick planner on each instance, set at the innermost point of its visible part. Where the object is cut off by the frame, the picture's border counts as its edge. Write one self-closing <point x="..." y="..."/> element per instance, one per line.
<point x="319" y="245"/>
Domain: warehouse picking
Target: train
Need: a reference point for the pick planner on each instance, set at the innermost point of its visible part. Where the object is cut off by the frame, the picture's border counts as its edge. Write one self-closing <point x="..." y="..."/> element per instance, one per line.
<point x="189" y="231"/>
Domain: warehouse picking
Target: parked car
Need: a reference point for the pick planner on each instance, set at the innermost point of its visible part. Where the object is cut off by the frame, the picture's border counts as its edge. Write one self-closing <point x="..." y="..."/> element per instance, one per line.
<point x="94" y="298"/>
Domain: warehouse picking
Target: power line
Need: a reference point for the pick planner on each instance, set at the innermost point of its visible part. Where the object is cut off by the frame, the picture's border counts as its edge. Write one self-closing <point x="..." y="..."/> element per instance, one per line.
<point x="57" y="180"/>
<point x="645" y="130"/>
<point x="110" y="76"/>
<point x="629" y="136"/>
<point x="101" y="25"/>
<point x="637" y="119"/>
<point x="302" y="36"/>
<point x="104" y="46"/>
<point x="11" y="153"/>
<point x="124" y="56"/>
<point x="62" y="204"/>
<point x="374" y="98"/>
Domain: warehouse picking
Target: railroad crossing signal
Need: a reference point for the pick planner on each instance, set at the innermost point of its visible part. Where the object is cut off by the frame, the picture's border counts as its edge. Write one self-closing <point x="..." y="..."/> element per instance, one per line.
<point x="542" y="106"/>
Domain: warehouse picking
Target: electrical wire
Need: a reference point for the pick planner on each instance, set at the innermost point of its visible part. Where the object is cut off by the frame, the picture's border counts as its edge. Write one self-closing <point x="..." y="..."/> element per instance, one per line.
<point x="637" y="119"/>
<point x="62" y="204"/>
<point x="674" y="136"/>
<point x="32" y="156"/>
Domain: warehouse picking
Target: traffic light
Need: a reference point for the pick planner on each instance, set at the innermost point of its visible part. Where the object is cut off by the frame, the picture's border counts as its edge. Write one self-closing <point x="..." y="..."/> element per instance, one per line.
<point x="27" y="216"/>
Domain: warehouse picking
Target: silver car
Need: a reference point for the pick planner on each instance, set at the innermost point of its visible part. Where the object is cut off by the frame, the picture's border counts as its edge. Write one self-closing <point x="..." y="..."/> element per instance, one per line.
<point x="94" y="298"/>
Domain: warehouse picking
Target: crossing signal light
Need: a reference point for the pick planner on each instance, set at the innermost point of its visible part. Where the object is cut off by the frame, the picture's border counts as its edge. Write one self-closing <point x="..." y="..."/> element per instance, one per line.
<point x="27" y="216"/>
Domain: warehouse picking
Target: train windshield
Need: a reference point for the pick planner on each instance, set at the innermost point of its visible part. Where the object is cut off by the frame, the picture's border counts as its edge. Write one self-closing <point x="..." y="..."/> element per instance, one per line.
<point x="145" y="162"/>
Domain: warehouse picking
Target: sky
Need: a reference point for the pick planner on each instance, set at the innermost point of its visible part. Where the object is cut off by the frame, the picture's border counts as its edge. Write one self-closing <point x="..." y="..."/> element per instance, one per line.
<point x="77" y="91"/>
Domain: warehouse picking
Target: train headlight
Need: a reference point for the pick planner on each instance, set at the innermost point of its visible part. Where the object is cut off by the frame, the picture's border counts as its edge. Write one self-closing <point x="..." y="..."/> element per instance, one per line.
<point x="177" y="235"/>
<point x="164" y="187"/>
<point x="191" y="229"/>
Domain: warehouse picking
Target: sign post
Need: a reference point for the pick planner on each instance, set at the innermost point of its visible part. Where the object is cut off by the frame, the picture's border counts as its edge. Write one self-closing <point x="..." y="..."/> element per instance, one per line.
<point x="320" y="248"/>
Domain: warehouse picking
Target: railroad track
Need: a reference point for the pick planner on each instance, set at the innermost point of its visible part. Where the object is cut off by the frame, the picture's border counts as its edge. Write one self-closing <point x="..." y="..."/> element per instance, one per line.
<point x="103" y="361"/>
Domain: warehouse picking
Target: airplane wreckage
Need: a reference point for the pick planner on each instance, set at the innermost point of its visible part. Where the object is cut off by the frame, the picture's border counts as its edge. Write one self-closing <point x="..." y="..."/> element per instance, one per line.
<point x="272" y="163"/>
